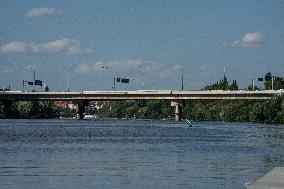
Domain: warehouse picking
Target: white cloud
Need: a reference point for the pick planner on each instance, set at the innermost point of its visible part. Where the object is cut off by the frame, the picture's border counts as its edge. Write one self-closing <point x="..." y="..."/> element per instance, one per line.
<point x="152" y="74"/>
<point x="130" y="65"/>
<point x="37" y="12"/>
<point x="66" y="45"/>
<point x="173" y="71"/>
<point x="13" y="47"/>
<point x="140" y="71"/>
<point x="249" y="40"/>
<point x="83" y="68"/>
<point x="178" y="67"/>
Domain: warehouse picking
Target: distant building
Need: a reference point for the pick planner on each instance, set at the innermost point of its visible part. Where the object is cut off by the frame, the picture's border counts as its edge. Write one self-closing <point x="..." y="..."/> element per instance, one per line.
<point x="92" y="104"/>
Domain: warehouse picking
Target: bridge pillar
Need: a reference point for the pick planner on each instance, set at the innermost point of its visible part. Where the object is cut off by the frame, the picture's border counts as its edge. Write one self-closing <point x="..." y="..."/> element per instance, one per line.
<point x="81" y="104"/>
<point x="178" y="109"/>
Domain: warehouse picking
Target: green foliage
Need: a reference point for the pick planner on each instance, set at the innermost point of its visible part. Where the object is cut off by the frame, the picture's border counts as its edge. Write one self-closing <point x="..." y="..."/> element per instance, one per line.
<point x="22" y="109"/>
<point x="253" y="88"/>
<point x="218" y="110"/>
<point x="46" y="88"/>
<point x="270" y="111"/>
<point x="223" y="85"/>
<point x="67" y="112"/>
<point x="25" y="109"/>
<point x="280" y="117"/>
<point x="234" y="86"/>
<point x="141" y="109"/>
<point x="278" y="83"/>
<point x="1" y="110"/>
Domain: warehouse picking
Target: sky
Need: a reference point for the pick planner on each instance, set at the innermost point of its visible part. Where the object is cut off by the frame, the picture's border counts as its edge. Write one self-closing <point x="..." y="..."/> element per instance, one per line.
<point x="150" y="42"/>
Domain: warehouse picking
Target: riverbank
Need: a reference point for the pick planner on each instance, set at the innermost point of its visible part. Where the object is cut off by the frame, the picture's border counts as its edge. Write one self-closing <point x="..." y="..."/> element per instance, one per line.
<point x="266" y="111"/>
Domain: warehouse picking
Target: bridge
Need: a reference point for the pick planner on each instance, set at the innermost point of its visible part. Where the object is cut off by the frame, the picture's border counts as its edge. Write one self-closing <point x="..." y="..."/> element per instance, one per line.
<point x="176" y="97"/>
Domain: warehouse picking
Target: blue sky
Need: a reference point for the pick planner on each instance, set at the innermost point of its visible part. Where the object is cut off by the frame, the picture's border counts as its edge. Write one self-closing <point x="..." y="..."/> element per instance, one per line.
<point x="147" y="41"/>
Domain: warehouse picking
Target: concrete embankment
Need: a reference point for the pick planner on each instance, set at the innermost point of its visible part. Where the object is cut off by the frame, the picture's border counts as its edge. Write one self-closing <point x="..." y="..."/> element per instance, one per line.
<point x="274" y="179"/>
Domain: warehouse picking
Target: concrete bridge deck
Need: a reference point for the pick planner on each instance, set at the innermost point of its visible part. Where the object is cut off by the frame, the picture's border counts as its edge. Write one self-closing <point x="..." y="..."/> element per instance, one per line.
<point x="139" y="95"/>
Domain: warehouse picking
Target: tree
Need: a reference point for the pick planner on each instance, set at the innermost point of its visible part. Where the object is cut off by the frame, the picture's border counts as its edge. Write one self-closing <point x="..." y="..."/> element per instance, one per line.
<point x="253" y="88"/>
<point x="267" y="76"/>
<point x="21" y="109"/>
<point x="25" y="109"/>
<point x="46" y="89"/>
<point x="278" y="83"/>
<point x="222" y="85"/>
<point x="234" y="86"/>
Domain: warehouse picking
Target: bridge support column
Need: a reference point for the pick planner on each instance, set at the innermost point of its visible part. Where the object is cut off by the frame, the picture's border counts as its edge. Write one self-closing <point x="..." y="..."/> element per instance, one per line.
<point x="178" y="109"/>
<point x="81" y="104"/>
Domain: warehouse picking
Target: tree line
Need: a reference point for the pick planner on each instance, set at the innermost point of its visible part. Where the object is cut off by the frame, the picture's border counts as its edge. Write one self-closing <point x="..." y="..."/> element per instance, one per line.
<point x="269" y="111"/>
<point x="28" y="109"/>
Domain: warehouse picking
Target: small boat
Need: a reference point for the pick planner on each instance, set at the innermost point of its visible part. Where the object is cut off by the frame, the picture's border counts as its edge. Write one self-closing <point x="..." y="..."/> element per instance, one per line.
<point x="91" y="116"/>
<point x="190" y="124"/>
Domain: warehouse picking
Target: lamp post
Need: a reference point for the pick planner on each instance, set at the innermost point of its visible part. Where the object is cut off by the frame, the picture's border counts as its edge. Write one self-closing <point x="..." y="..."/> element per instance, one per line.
<point x="272" y="78"/>
<point x="34" y="77"/>
<point x="113" y="84"/>
<point x="182" y="78"/>
<point x="68" y="78"/>
<point x="107" y="68"/>
<point x="252" y="80"/>
<point x="141" y="75"/>
<point x="181" y="74"/>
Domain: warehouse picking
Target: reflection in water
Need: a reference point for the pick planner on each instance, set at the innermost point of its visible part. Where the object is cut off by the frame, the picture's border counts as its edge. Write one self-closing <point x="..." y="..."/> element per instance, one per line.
<point x="136" y="154"/>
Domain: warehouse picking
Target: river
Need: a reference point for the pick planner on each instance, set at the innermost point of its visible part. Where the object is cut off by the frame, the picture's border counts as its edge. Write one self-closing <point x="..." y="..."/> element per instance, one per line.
<point x="72" y="154"/>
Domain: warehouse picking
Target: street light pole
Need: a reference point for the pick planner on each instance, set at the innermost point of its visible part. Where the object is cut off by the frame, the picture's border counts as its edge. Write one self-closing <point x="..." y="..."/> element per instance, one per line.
<point x="108" y="68"/>
<point x="34" y="79"/>
<point x="68" y="79"/>
<point x="141" y="75"/>
<point x="23" y="85"/>
<point x="272" y="82"/>
<point x="114" y="83"/>
<point x="182" y="78"/>
<point x="34" y="76"/>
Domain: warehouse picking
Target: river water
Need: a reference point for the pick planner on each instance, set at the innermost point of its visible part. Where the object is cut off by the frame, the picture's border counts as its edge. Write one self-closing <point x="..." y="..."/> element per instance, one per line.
<point x="69" y="154"/>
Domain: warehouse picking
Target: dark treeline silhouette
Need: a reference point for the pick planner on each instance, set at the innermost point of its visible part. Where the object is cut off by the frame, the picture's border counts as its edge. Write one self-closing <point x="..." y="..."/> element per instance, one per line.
<point x="269" y="111"/>
<point x="27" y="109"/>
<point x="223" y="85"/>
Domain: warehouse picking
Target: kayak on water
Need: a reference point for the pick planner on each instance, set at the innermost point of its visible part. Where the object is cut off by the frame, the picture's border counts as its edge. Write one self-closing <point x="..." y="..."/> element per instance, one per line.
<point x="190" y="124"/>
